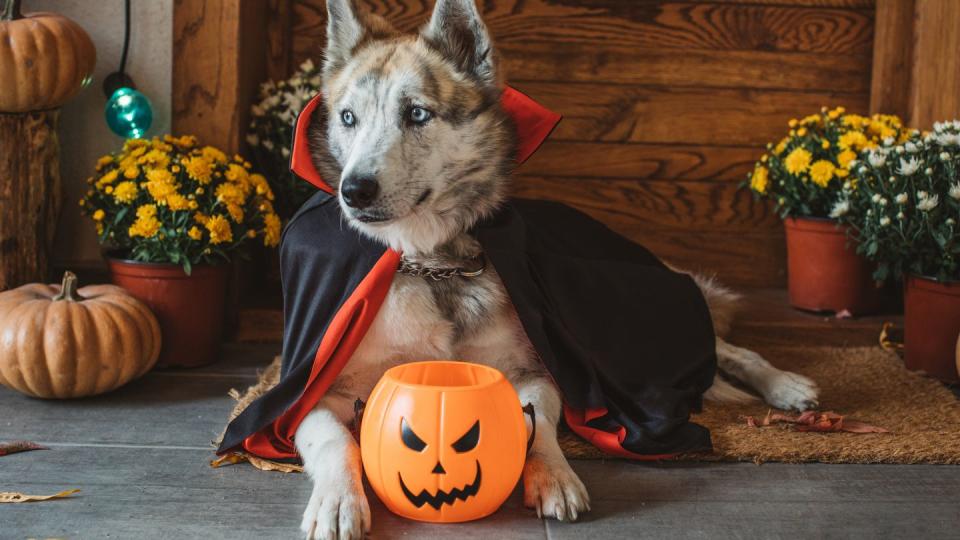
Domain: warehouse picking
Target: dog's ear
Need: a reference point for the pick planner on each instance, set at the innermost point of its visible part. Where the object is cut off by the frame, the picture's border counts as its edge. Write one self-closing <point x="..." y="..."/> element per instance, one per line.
<point x="458" y="32"/>
<point x="347" y="28"/>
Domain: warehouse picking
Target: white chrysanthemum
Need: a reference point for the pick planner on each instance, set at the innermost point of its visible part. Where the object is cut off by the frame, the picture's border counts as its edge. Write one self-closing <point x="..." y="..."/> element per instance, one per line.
<point x="252" y="139"/>
<point x="948" y="139"/>
<point x="307" y="65"/>
<point x="256" y="110"/>
<point x="951" y="221"/>
<point x="900" y="216"/>
<point x="876" y="159"/>
<point x="285" y="152"/>
<point x="889" y="141"/>
<point x="840" y="208"/>
<point x="912" y="148"/>
<point x="909" y="167"/>
<point x="902" y="198"/>
<point x="955" y="191"/>
<point x="928" y="172"/>
<point x="876" y="197"/>
<point x="884" y="221"/>
<point x="945" y="156"/>
<point x="268" y="144"/>
<point x="928" y="203"/>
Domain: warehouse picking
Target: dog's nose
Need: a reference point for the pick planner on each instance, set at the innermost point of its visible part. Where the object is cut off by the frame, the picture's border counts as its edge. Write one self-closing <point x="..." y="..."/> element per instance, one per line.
<point x="359" y="192"/>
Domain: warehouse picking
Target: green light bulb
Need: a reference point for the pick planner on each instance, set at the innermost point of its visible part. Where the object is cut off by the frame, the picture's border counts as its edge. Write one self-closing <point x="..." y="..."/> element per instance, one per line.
<point x="128" y="113"/>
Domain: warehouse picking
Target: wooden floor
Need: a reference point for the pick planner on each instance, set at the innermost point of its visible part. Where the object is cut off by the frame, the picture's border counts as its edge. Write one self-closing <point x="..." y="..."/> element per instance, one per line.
<point x="140" y="457"/>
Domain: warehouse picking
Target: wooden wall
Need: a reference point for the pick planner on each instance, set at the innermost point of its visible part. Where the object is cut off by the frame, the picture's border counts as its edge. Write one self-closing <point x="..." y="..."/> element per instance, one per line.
<point x="666" y="105"/>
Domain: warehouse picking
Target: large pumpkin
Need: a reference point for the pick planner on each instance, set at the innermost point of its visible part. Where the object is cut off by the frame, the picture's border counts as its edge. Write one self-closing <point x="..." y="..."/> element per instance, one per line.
<point x="65" y="342"/>
<point x="45" y="59"/>
<point x="443" y="441"/>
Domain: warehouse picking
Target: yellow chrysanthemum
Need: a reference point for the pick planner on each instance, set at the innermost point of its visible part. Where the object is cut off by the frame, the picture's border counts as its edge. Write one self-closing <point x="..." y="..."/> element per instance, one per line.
<point x="199" y="168"/>
<point x="825" y="144"/>
<point x="802" y="132"/>
<point x="759" y="179"/>
<point x="212" y="154"/>
<point x="219" y="229"/>
<point x="146" y="224"/>
<point x="271" y="230"/>
<point x="230" y="193"/>
<point x="185" y="141"/>
<point x="844" y="158"/>
<point x="161" y="185"/>
<point x="821" y="172"/>
<point x="781" y="146"/>
<point x="104" y="161"/>
<point x="156" y="158"/>
<point x="131" y="144"/>
<point x="798" y="160"/>
<point x="236" y="212"/>
<point x="176" y="202"/>
<point x="261" y="186"/>
<point x="125" y="192"/>
<point x="852" y="140"/>
<point x="194" y="233"/>
<point x="201" y="218"/>
<point x="131" y="172"/>
<point x="99" y="214"/>
<point x="811" y="120"/>
<point x="107" y="178"/>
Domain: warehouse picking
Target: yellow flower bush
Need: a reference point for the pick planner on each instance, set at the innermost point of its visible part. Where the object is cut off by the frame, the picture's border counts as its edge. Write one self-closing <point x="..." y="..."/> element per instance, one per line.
<point x="171" y="200"/>
<point x="806" y="171"/>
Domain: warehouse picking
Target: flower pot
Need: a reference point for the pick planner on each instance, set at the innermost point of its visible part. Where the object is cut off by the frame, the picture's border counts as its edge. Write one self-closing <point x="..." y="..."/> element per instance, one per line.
<point x="190" y="309"/>
<point x="931" y="325"/>
<point x="824" y="273"/>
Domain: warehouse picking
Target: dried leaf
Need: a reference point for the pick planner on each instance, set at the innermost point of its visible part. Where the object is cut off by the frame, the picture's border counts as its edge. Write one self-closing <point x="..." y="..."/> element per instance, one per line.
<point x="886" y="341"/>
<point x="13" y="447"/>
<point x="751" y="421"/>
<point x="13" y="497"/>
<point x="814" y="421"/>
<point x="227" y="459"/>
<point x="843" y="314"/>
<point x="260" y="463"/>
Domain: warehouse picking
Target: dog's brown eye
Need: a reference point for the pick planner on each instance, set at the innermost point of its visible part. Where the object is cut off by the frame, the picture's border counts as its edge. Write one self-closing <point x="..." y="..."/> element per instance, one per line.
<point x="347" y="118"/>
<point x="419" y="115"/>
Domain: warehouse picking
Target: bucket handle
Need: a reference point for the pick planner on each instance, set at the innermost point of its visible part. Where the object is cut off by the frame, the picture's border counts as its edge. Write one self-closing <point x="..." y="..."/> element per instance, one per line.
<point x="528" y="409"/>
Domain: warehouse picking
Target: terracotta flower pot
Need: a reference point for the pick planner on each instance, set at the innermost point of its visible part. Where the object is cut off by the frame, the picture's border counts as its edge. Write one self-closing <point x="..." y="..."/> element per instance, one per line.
<point x="931" y="325"/>
<point x="823" y="272"/>
<point x="190" y="309"/>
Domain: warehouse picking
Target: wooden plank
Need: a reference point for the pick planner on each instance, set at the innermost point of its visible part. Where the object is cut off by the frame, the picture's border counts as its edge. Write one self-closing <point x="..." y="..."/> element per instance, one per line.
<point x="676" y="204"/>
<point x="892" y="58"/>
<point x="218" y="60"/>
<point x="611" y="113"/>
<point x="935" y="81"/>
<point x="637" y="25"/>
<point x="641" y="161"/>
<point x="652" y="43"/>
<point x="279" y="39"/>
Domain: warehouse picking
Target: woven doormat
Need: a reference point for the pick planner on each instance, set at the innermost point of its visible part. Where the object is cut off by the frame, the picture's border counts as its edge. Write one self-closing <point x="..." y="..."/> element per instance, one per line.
<point x="866" y="384"/>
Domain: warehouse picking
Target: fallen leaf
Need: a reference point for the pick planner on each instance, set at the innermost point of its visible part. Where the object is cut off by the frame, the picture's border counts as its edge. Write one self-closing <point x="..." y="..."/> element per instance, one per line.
<point x="13" y="497"/>
<point x="843" y="314"/>
<point x="852" y="426"/>
<point x="13" y="447"/>
<point x="814" y="421"/>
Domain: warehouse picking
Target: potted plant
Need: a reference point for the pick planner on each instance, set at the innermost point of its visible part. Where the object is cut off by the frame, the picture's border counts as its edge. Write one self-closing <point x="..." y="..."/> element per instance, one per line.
<point x="271" y="134"/>
<point x="903" y="207"/>
<point x="171" y="214"/>
<point x="805" y="174"/>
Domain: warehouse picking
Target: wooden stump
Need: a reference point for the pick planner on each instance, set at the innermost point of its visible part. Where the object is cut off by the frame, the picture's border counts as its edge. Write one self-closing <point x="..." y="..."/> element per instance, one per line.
<point x="30" y="195"/>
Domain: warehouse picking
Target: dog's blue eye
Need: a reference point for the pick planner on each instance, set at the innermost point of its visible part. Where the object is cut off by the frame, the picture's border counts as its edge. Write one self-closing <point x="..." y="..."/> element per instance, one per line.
<point x="419" y="115"/>
<point x="347" y="118"/>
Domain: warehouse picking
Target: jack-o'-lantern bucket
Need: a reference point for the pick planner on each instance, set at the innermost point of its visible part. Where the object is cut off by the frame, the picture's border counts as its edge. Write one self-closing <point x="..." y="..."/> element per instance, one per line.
<point x="443" y="441"/>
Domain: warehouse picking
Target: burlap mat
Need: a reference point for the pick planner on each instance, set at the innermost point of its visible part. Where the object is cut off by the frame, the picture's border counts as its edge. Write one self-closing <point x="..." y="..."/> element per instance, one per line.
<point x="867" y="384"/>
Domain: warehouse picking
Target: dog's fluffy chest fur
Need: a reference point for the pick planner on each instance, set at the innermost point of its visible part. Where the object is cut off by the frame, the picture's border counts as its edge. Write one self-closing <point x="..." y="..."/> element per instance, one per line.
<point x="468" y="319"/>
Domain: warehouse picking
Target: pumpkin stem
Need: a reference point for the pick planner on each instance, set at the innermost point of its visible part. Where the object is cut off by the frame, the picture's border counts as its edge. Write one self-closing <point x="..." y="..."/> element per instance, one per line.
<point x="68" y="288"/>
<point x="10" y="10"/>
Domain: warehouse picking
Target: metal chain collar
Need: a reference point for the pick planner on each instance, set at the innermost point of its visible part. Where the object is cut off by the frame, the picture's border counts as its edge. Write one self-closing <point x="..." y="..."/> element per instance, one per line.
<point x="416" y="269"/>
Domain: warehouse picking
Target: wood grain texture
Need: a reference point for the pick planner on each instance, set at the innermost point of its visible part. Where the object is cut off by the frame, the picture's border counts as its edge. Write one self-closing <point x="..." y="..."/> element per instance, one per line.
<point x="679" y="115"/>
<point x="219" y="59"/>
<point x="30" y="195"/>
<point x="935" y="80"/>
<point x="641" y="161"/>
<point x="892" y="58"/>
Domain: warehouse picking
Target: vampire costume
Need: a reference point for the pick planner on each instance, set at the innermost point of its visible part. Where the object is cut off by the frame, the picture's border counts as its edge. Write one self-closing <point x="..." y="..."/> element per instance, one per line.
<point x="629" y="342"/>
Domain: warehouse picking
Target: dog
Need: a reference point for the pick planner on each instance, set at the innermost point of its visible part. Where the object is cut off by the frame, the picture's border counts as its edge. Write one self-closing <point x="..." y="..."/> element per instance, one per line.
<point x="413" y="140"/>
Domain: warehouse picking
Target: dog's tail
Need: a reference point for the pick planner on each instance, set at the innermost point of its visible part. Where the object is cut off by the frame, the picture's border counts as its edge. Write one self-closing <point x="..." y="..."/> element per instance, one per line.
<point x="722" y="301"/>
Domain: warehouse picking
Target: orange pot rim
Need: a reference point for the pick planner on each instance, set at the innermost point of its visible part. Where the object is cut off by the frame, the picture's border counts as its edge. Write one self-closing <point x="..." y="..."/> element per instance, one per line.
<point x="394" y="375"/>
<point x="130" y="267"/>
<point x="815" y="224"/>
<point x="932" y="284"/>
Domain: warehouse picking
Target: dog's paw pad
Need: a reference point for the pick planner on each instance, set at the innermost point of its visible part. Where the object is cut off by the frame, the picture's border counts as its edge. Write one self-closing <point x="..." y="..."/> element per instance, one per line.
<point x="554" y="490"/>
<point x="792" y="392"/>
<point x="336" y="516"/>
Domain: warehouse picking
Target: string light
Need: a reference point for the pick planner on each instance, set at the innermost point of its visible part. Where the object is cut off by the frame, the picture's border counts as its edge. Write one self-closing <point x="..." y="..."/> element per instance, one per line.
<point x="128" y="112"/>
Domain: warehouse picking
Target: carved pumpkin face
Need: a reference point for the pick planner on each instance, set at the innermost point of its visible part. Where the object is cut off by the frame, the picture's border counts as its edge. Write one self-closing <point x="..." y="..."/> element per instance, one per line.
<point x="443" y="441"/>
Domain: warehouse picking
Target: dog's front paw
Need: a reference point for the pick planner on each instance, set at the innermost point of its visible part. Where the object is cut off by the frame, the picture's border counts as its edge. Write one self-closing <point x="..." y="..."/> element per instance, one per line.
<point x="553" y="489"/>
<point x="790" y="391"/>
<point x="334" y="514"/>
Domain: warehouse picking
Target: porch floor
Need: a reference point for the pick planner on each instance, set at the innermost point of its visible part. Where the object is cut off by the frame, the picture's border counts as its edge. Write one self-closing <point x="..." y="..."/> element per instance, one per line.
<point x="140" y="456"/>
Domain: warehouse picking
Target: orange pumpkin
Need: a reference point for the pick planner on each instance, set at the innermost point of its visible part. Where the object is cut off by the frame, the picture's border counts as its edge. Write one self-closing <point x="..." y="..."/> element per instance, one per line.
<point x="45" y="59"/>
<point x="443" y="441"/>
<point x="64" y="342"/>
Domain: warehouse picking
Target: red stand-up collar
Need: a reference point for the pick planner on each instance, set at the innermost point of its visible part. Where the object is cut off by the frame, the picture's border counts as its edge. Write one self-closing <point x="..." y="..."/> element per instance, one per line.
<point x="533" y="121"/>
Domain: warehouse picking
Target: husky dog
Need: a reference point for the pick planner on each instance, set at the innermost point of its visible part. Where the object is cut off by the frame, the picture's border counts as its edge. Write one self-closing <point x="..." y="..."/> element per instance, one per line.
<point x="414" y="141"/>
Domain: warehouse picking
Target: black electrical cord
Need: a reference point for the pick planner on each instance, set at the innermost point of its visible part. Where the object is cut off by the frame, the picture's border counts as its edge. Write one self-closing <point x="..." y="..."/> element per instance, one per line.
<point x="120" y="79"/>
